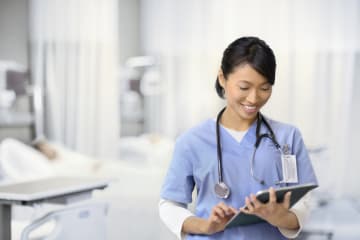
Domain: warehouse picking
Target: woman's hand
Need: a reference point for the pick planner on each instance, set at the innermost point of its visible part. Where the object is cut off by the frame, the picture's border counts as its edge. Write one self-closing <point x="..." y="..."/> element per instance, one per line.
<point x="277" y="214"/>
<point x="220" y="215"/>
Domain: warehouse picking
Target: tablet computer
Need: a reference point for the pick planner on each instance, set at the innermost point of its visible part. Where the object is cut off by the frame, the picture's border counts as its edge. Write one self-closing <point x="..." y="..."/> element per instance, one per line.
<point x="297" y="192"/>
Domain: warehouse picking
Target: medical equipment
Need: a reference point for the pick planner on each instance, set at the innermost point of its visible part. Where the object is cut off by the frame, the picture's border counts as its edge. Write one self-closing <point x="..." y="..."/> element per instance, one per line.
<point x="221" y="189"/>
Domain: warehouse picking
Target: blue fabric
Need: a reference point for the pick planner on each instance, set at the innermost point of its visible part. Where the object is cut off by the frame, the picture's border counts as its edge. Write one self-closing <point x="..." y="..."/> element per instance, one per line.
<point x="194" y="164"/>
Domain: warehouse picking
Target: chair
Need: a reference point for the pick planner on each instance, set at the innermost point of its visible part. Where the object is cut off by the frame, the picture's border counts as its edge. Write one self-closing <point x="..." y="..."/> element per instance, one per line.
<point x="85" y="221"/>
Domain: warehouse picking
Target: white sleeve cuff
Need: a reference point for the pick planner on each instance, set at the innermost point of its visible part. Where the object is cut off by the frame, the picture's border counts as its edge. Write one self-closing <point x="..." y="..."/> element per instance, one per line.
<point x="301" y="209"/>
<point x="173" y="214"/>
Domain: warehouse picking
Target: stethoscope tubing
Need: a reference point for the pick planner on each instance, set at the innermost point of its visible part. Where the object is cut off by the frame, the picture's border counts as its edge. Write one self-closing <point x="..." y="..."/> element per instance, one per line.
<point x="259" y="137"/>
<point x="218" y="144"/>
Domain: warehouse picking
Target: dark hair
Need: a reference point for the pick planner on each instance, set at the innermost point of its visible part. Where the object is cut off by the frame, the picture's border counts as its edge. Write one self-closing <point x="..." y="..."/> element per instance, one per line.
<point x="248" y="50"/>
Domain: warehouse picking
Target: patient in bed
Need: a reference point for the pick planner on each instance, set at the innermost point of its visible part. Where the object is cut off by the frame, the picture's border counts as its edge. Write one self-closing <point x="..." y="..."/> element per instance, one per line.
<point x="41" y="159"/>
<point x="45" y="148"/>
<point x="19" y="161"/>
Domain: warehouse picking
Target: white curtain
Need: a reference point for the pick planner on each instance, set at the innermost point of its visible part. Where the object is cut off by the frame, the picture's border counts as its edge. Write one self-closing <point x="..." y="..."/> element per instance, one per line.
<point x="74" y="61"/>
<point x="317" y="46"/>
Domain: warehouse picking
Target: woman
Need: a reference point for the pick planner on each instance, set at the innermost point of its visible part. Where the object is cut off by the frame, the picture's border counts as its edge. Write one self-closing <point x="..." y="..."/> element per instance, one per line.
<point x="245" y="80"/>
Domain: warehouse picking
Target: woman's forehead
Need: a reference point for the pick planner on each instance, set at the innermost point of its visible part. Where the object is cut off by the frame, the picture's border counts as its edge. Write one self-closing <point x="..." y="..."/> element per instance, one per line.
<point x="246" y="73"/>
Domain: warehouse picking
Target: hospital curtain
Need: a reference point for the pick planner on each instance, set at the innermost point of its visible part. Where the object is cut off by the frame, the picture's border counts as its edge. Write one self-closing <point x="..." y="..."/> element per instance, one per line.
<point x="74" y="61"/>
<point x="316" y="43"/>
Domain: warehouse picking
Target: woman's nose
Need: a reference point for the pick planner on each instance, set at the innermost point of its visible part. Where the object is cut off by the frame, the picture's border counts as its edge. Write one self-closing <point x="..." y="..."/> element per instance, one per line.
<point x="252" y="96"/>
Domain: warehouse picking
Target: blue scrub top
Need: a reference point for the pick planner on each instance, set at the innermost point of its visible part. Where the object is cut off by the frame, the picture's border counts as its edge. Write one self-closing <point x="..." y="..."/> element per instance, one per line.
<point x="195" y="164"/>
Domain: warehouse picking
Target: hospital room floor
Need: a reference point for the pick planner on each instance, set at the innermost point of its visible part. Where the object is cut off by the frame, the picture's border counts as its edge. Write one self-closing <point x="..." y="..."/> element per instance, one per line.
<point x="134" y="215"/>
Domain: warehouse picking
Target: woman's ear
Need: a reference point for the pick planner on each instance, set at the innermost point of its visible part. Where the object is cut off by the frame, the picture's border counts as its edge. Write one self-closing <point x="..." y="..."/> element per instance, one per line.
<point x="221" y="78"/>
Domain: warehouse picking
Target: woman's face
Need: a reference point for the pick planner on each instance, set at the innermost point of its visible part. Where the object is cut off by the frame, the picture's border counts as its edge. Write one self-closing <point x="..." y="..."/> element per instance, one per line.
<point x="246" y="91"/>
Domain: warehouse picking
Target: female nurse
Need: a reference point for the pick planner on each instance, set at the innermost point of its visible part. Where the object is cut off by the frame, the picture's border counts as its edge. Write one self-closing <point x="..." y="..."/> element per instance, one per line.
<point x="245" y="80"/>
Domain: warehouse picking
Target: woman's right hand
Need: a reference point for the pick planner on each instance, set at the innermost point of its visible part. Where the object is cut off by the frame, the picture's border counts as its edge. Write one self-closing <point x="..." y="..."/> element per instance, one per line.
<point x="220" y="215"/>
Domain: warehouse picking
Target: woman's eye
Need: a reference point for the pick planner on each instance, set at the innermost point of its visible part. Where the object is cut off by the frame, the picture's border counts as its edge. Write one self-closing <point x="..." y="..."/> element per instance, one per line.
<point x="244" y="88"/>
<point x="265" y="89"/>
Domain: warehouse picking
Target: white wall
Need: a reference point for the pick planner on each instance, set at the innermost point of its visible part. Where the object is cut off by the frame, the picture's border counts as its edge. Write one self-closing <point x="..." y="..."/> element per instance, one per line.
<point x="14" y="30"/>
<point x="129" y="33"/>
<point x="353" y="168"/>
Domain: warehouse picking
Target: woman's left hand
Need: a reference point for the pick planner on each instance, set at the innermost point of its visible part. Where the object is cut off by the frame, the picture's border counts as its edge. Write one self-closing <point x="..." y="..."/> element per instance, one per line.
<point x="272" y="212"/>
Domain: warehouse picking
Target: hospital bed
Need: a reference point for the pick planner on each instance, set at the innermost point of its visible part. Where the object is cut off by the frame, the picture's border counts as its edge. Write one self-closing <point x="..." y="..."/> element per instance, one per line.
<point x="82" y="221"/>
<point x="132" y="197"/>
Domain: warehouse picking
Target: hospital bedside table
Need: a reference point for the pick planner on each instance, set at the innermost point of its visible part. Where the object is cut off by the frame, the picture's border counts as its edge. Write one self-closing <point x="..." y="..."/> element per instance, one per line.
<point x="61" y="190"/>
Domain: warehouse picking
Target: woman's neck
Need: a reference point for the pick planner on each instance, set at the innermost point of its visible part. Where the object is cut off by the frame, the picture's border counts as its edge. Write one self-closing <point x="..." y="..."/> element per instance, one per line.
<point x="232" y="120"/>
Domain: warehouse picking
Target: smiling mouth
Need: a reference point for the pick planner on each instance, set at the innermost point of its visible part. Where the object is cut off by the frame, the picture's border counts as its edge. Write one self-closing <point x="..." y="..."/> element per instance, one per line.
<point x="250" y="109"/>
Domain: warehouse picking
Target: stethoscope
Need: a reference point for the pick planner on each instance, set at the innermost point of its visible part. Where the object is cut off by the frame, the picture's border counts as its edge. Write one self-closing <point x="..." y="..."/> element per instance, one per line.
<point x="221" y="189"/>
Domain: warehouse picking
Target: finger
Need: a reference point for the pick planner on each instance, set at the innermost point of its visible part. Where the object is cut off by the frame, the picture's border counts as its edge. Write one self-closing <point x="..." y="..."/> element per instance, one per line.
<point x="272" y="195"/>
<point x="225" y="208"/>
<point x="248" y="204"/>
<point x="287" y="198"/>
<point x="228" y="209"/>
<point x="245" y="210"/>
<point x="256" y="203"/>
<point x="215" y="219"/>
<point x="218" y="211"/>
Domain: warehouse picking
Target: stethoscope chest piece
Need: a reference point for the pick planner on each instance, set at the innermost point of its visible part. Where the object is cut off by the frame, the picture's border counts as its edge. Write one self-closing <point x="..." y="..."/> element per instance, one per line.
<point x="221" y="190"/>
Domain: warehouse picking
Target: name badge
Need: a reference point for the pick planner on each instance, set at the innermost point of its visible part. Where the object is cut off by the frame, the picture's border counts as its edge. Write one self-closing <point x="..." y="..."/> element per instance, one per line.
<point x="289" y="168"/>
